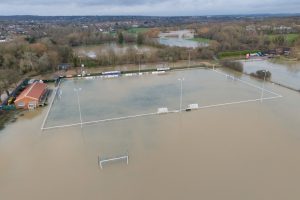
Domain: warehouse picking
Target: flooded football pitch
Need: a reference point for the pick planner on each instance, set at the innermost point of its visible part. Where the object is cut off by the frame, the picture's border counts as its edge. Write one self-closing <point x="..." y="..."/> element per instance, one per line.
<point x="91" y="100"/>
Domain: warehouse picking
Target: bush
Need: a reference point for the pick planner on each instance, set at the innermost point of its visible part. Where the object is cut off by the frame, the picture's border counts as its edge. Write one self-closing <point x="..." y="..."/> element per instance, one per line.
<point x="235" y="53"/>
<point x="237" y="66"/>
<point x="261" y="74"/>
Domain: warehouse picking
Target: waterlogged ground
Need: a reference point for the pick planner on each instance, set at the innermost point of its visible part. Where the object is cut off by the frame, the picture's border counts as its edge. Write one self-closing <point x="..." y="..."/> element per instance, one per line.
<point x="181" y="42"/>
<point x="92" y="51"/>
<point x="284" y="72"/>
<point x="181" y="38"/>
<point x="107" y="98"/>
<point x="241" y="151"/>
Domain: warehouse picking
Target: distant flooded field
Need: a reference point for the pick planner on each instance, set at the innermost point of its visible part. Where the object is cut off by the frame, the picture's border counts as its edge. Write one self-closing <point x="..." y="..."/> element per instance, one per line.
<point x="284" y="72"/>
<point x="179" y="42"/>
<point x="231" y="152"/>
<point x="180" y="38"/>
<point x="94" y="50"/>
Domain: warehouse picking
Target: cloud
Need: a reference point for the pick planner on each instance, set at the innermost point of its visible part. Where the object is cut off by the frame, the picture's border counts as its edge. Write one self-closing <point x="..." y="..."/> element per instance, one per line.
<point x="146" y="7"/>
<point x="82" y="2"/>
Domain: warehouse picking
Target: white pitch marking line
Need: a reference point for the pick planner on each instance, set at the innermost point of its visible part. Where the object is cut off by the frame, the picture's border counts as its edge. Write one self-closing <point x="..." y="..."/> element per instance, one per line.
<point x="62" y="126"/>
<point x="118" y="118"/>
<point x="102" y="120"/>
<point x="248" y="83"/>
<point x="79" y="108"/>
<point x="56" y="89"/>
<point x="101" y="161"/>
<point x="238" y="102"/>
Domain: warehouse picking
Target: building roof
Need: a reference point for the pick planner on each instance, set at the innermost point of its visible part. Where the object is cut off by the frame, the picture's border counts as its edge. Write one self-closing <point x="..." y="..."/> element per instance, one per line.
<point x="33" y="91"/>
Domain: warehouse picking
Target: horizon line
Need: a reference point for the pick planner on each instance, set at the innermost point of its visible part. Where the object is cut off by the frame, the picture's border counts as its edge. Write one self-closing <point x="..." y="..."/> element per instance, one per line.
<point x="134" y="15"/>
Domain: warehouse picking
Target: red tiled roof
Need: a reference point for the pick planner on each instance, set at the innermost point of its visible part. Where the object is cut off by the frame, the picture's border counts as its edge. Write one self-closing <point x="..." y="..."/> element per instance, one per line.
<point x="33" y="91"/>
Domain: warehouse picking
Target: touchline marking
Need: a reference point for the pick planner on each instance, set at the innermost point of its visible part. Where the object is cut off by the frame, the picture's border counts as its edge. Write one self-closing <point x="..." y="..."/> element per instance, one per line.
<point x="118" y="118"/>
<point x="62" y="126"/>
<point x="98" y="121"/>
<point x="106" y="120"/>
<point x="237" y="102"/>
<point x="149" y="114"/>
<point x="56" y="89"/>
<point x="248" y="83"/>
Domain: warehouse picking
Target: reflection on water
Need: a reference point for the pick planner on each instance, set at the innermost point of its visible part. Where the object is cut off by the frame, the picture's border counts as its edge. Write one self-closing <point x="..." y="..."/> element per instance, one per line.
<point x="180" y="38"/>
<point x="225" y="153"/>
<point x="286" y="73"/>
<point x="181" y="42"/>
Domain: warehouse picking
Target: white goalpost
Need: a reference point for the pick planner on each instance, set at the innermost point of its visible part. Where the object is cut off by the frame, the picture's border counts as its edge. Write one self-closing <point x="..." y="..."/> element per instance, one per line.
<point x="102" y="161"/>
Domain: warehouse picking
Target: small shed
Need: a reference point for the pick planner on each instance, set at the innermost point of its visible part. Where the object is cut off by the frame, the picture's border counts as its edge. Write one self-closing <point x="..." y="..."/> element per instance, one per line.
<point x="33" y="96"/>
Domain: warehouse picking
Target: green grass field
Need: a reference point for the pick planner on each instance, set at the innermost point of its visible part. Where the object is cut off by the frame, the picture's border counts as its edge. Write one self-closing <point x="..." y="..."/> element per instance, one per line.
<point x="243" y="53"/>
<point x="290" y="38"/>
<point x="203" y="40"/>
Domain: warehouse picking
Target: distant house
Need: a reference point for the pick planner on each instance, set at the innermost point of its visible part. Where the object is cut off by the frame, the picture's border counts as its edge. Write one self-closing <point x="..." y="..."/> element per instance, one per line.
<point x="33" y="96"/>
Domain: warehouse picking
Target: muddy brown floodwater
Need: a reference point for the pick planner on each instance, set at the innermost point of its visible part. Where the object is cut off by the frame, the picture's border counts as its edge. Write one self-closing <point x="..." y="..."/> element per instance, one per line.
<point x="283" y="72"/>
<point x="242" y="151"/>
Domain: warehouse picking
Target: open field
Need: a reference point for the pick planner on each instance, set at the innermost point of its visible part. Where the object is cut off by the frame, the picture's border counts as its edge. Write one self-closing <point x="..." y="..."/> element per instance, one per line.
<point x="242" y="53"/>
<point x="103" y="99"/>
<point x="290" y="38"/>
<point x="202" y="40"/>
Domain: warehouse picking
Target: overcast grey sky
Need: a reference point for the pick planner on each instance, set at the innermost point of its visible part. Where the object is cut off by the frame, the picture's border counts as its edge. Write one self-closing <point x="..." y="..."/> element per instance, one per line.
<point x="146" y="7"/>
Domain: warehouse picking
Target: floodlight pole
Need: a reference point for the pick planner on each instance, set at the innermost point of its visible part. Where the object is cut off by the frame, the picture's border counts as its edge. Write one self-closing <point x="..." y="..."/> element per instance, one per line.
<point x="189" y="57"/>
<point x="79" y="108"/>
<point x="180" y="102"/>
<point x="263" y="86"/>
